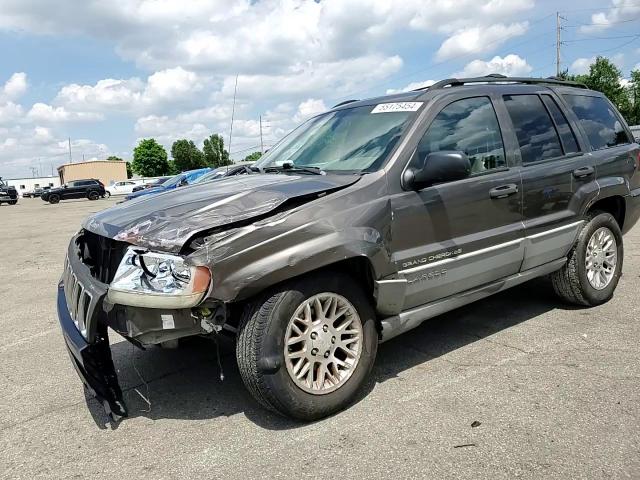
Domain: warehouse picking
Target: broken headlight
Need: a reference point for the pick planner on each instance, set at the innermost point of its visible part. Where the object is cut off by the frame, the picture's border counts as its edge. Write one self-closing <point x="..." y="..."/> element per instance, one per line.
<point x="157" y="280"/>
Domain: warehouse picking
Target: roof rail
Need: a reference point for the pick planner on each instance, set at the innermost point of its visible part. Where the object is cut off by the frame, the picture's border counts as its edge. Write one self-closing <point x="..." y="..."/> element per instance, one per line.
<point x="344" y="103"/>
<point x="497" y="78"/>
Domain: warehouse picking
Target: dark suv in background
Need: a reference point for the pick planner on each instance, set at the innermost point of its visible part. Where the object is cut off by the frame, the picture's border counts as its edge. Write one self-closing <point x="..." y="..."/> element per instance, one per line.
<point x="358" y="226"/>
<point x="89" y="188"/>
<point x="8" y="194"/>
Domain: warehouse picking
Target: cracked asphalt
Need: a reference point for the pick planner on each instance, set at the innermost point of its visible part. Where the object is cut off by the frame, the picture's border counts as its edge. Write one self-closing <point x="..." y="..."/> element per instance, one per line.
<point x="552" y="391"/>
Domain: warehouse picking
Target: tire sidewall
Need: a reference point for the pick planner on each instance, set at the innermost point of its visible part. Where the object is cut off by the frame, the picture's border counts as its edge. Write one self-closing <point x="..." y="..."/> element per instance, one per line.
<point x="591" y="294"/>
<point x="93" y="195"/>
<point x="293" y="399"/>
<point x="54" y="199"/>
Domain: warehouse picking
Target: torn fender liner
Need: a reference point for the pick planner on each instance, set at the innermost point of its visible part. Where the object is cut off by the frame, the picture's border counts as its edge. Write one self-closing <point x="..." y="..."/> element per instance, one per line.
<point x="166" y="221"/>
<point x="92" y="361"/>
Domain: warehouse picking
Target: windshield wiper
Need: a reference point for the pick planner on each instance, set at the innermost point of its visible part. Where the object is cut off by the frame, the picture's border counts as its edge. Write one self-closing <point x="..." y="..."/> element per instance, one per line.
<point x="290" y="167"/>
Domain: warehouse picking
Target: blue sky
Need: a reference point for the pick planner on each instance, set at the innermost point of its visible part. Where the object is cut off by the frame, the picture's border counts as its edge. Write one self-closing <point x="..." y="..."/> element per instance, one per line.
<point x="106" y="74"/>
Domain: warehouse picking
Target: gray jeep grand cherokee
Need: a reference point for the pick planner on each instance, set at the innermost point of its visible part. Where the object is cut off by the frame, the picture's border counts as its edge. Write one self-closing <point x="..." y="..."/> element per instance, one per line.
<point x="358" y="226"/>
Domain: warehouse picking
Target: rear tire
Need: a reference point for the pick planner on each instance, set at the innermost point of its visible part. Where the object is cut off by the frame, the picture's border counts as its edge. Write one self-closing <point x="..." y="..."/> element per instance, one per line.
<point x="93" y="195"/>
<point x="53" y="199"/>
<point x="107" y="194"/>
<point x="575" y="282"/>
<point x="267" y="322"/>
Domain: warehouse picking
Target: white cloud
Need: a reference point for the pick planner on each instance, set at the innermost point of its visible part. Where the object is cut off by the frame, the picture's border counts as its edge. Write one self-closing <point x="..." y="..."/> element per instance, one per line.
<point x="308" y="109"/>
<point x="41" y="112"/>
<point x="580" y="66"/>
<point x="479" y="39"/>
<point x="10" y="113"/>
<point x="165" y="87"/>
<point x="511" y="65"/>
<point x="411" y="86"/>
<point x="15" y="86"/>
<point x="620" y="12"/>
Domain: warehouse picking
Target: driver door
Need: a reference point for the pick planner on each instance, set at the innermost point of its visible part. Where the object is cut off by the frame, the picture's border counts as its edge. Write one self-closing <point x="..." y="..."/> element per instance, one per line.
<point x="454" y="236"/>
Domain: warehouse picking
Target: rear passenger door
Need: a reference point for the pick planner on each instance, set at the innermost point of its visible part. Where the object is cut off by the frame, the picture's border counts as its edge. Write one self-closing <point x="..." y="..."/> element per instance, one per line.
<point x="555" y="172"/>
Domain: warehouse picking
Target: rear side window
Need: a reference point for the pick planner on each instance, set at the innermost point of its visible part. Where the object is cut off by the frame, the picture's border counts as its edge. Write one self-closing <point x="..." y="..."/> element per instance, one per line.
<point x="564" y="129"/>
<point x="537" y="136"/>
<point x="599" y="120"/>
<point x="470" y="126"/>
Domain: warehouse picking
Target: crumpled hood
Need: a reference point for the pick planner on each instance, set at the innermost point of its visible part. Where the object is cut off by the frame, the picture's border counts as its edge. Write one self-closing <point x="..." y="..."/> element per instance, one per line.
<point x="166" y="221"/>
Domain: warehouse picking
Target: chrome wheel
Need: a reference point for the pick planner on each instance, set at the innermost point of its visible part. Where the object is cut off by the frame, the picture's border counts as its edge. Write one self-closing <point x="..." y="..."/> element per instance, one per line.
<point x="601" y="258"/>
<point x="323" y="343"/>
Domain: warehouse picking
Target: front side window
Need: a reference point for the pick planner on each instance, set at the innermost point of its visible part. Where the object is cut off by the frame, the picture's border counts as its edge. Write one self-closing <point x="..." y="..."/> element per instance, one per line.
<point x="357" y="139"/>
<point x="469" y="126"/>
<point x="599" y="121"/>
<point x="537" y="136"/>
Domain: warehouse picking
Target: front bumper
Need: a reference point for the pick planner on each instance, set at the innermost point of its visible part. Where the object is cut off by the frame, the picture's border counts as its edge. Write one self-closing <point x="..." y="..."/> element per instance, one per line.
<point x="90" y="354"/>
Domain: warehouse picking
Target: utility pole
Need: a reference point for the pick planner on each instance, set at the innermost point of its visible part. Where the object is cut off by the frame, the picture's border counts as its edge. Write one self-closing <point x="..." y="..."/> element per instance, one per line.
<point x="261" y="142"/>
<point x="233" y="111"/>
<point x="70" y="158"/>
<point x="558" y="41"/>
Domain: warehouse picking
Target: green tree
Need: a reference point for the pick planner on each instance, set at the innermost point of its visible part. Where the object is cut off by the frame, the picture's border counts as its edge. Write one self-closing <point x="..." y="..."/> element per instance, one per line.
<point x="214" y="153"/>
<point x="186" y="156"/>
<point x="129" y="170"/>
<point x="252" y="157"/>
<point x="113" y="158"/>
<point x="150" y="159"/>
<point x="633" y="92"/>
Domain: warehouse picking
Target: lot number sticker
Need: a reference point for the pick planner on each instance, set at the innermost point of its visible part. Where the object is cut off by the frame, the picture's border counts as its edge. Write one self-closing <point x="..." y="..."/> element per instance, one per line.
<point x="397" y="107"/>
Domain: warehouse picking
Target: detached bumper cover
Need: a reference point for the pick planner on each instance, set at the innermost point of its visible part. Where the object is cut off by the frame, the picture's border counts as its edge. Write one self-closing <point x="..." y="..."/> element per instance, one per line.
<point x="92" y="361"/>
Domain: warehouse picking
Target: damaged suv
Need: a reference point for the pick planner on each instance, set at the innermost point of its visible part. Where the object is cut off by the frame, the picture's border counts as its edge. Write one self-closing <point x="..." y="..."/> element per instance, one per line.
<point x="358" y="226"/>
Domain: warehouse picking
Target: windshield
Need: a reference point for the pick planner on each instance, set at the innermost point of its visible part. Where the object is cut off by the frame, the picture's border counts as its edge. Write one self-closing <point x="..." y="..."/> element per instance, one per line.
<point x="173" y="181"/>
<point x="350" y="140"/>
<point x="217" y="173"/>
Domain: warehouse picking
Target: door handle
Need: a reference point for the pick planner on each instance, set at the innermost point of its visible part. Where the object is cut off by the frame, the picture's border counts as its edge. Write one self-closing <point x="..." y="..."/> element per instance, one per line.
<point x="503" y="191"/>
<point x="583" y="172"/>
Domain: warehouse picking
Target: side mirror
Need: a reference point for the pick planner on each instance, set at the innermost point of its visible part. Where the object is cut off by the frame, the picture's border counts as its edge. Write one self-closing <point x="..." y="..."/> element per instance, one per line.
<point x="438" y="167"/>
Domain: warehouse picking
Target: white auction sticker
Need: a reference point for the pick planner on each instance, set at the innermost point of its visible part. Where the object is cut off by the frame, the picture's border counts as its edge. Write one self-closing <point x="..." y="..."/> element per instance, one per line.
<point x="397" y="107"/>
<point x="167" y="322"/>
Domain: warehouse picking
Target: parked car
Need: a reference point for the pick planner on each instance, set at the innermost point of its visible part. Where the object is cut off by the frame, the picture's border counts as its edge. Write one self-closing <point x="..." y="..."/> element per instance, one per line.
<point x="8" y="193"/>
<point x="88" y="188"/>
<point x="124" y="187"/>
<point x="240" y="168"/>
<point x="155" y="183"/>
<point x="35" y="193"/>
<point x="180" y="180"/>
<point x="358" y="226"/>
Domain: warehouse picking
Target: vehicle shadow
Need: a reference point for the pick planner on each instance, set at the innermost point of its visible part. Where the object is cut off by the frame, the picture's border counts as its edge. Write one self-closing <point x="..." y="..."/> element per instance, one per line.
<point x="185" y="383"/>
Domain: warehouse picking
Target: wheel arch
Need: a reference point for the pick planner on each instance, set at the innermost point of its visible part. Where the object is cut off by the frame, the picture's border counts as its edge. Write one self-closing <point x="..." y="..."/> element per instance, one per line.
<point x="614" y="204"/>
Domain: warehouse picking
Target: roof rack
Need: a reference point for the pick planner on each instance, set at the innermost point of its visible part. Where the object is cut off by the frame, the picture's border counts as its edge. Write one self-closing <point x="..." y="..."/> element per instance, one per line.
<point x="344" y="103"/>
<point x="497" y="78"/>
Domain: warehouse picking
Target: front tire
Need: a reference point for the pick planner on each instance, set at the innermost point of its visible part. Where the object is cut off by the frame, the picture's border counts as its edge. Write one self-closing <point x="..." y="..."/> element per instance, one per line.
<point x="594" y="265"/>
<point x="13" y="202"/>
<point x="305" y="349"/>
<point x="53" y="199"/>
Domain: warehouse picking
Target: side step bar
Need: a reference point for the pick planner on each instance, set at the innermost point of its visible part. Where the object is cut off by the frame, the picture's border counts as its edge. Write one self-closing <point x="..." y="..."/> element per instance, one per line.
<point x="409" y="319"/>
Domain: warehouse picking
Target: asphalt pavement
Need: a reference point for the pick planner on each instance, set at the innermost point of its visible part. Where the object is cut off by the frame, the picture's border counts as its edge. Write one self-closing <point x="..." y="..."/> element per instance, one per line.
<point x="516" y="386"/>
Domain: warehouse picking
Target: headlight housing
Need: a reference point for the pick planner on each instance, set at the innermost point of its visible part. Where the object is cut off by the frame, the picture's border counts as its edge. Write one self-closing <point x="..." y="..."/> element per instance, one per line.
<point x="157" y="280"/>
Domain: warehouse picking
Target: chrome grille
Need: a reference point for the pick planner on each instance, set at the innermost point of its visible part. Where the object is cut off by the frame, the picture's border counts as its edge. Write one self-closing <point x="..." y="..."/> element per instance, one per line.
<point x="80" y="302"/>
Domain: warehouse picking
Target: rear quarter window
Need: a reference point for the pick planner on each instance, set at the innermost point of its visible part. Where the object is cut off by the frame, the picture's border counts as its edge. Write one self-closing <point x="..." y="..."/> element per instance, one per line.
<point x="599" y="120"/>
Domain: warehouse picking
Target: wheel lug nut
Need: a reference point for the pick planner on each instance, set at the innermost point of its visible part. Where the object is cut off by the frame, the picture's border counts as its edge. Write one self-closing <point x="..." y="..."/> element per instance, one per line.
<point x="314" y="335"/>
<point x="333" y="339"/>
<point x="314" y="351"/>
<point x="325" y="328"/>
<point x="326" y="354"/>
